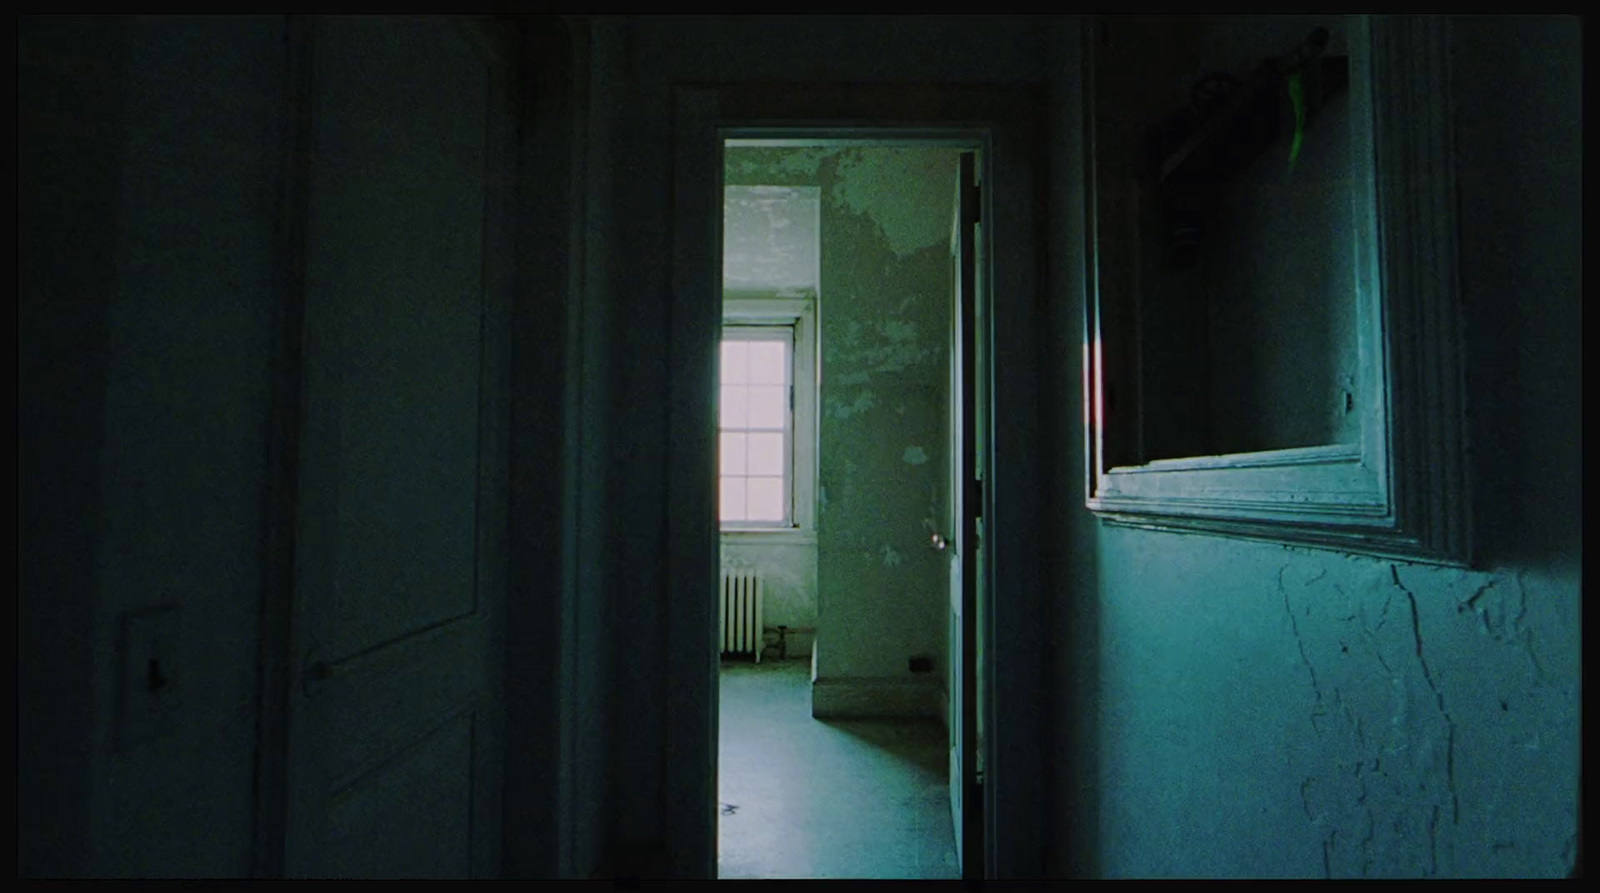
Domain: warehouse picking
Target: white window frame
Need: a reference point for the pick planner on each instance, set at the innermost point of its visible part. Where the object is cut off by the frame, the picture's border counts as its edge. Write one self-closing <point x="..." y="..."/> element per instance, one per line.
<point x="798" y="314"/>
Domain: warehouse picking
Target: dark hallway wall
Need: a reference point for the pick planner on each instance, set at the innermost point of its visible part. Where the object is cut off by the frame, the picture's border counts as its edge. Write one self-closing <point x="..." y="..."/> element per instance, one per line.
<point x="161" y="220"/>
<point x="66" y="169"/>
<point x="149" y="285"/>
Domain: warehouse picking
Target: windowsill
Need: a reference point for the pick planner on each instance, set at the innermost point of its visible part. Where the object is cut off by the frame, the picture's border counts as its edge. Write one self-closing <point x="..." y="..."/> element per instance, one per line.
<point x="769" y="536"/>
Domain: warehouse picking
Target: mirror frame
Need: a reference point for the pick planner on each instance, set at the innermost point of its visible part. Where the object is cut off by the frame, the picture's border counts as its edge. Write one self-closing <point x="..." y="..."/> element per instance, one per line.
<point x="1402" y="491"/>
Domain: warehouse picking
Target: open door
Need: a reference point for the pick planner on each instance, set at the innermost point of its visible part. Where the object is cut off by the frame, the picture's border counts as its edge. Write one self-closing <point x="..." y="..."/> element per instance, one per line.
<point x="965" y="503"/>
<point x="392" y="748"/>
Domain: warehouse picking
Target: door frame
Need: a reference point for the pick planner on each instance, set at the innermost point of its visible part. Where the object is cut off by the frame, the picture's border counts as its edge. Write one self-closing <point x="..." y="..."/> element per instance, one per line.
<point x="1005" y="122"/>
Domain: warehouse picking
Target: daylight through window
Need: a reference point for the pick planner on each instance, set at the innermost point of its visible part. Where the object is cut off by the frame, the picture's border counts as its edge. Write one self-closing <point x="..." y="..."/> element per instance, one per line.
<point x="756" y="442"/>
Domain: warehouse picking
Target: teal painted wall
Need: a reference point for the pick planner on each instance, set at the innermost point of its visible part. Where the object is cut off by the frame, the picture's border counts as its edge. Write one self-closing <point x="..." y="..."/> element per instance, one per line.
<point x="1238" y="709"/>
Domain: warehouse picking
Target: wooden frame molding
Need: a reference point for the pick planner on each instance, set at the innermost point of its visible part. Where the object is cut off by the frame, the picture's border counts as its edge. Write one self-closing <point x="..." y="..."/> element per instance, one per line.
<point x="1402" y="490"/>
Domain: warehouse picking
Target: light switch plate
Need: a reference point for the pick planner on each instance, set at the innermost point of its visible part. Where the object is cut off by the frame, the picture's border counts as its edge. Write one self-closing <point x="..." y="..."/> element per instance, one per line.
<point x="152" y="674"/>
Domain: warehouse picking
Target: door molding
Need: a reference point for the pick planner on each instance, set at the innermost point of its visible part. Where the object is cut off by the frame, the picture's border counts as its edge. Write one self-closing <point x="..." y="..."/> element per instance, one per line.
<point x="282" y="474"/>
<point x="1006" y="121"/>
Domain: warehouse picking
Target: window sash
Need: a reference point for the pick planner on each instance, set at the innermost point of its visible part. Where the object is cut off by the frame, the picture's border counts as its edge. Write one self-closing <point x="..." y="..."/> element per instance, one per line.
<point x="746" y="374"/>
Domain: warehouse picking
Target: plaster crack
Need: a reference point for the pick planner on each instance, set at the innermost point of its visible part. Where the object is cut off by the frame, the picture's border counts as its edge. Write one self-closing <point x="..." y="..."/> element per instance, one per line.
<point x="1416" y="628"/>
<point x="1383" y="616"/>
<point x="1450" y="771"/>
<point x="1493" y="615"/>
<point x="1471" y="602"/>
<point x="1378" y="653"/>
<point x="1351" y="719"/>
<point x="1366" y="842"/>
<point x="1533" y="659"/>
<point x="1300" y="644"/>
<point x="1522" y="601"/>
<point x="1433" y="841"/>
<point x="1438" y="696"/>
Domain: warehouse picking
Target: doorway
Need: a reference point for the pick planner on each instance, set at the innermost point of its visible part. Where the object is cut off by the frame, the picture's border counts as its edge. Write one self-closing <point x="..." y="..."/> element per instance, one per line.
<point x="848" y="466"/>
<point x="1006" y="122"/>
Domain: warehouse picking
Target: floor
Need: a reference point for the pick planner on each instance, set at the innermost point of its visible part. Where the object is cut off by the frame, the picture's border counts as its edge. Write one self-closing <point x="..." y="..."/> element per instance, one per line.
<point x="807" y="798"/>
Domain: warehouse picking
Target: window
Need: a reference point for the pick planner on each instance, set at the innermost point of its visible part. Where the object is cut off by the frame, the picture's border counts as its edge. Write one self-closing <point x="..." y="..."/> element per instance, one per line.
<point x="766" y="451"/>
<point x="756" y="440"/>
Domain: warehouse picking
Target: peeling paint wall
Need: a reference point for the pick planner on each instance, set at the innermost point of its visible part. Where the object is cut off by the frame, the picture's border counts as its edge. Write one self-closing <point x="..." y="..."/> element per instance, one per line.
<point x="1233" y="708"/>
<point x="883" y="317"/>
<point x="769" y="240"/>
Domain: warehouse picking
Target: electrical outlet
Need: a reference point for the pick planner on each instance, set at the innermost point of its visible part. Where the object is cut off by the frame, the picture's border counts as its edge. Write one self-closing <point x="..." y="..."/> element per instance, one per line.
<point x="151" y="675"/>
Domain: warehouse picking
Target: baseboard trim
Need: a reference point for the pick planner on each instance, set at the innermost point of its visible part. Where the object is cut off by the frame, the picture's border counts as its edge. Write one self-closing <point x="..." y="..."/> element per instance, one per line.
<point x="870" y="698"/>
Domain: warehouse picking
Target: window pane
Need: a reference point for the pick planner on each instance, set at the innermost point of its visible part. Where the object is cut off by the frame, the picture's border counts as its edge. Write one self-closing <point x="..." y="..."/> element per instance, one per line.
<point x="769" y="406"/>
<point x="765" y="453"/>
<point x="733" y="453"/>
<point x="769" y="362"/>
<point x="732" y="499"/>
<point x="766" y="499"/>
<point x="754" y="416"/>
<point x="734" y="414"/>
<point x="735" y="362"/>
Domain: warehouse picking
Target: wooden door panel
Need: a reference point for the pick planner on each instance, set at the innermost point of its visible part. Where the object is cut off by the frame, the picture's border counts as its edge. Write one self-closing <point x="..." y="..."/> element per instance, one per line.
<point x="410" y="817"/>
<point x="383" y="700"/>
<point x="393" y="740"/>
<point x="395" y="262"/>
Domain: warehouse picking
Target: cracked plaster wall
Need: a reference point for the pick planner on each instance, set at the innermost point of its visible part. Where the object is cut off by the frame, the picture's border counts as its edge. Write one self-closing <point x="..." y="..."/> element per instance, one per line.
<point x="1273" y="711"/>
<point x="883" y="318"/>
<point x="1240" y="708"/>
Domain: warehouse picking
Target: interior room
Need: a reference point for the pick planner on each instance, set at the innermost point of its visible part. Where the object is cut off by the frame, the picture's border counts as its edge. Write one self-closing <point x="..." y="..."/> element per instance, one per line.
<point x="833" y="752"/>
<point x="371" y="479"/>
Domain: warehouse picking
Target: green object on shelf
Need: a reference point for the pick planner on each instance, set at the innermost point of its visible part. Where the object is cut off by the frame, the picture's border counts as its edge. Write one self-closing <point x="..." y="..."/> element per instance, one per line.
<point x="1297" y="95"/>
